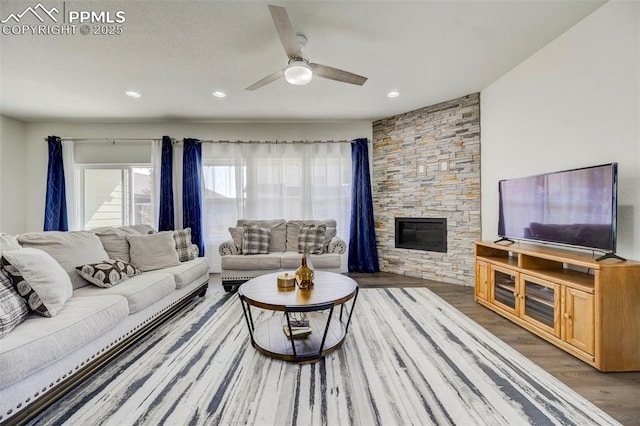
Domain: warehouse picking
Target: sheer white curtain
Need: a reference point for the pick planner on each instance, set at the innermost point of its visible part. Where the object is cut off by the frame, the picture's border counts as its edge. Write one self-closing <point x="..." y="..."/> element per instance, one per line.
<point x="156" y="165"/>
<point x="71" y="185"/>
<point x="176" y="165"/>
<point x="273" y="181"/>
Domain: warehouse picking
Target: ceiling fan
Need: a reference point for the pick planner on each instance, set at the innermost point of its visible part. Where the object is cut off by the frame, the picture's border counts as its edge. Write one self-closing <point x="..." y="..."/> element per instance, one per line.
<point x="300" y="71"/>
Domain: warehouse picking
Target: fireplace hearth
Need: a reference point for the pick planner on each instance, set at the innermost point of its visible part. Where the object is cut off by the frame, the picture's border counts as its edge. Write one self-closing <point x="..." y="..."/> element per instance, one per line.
<point x="428" y="234"/>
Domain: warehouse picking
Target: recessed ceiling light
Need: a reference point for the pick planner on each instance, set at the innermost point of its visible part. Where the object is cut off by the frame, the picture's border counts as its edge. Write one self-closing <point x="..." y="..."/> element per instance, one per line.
<point x="219" y="94"/>
<point x="393" y="94"/>
<point x="133" y="94"/>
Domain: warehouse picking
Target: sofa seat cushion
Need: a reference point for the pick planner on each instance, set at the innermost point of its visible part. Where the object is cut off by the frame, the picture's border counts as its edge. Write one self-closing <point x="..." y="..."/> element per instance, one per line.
<point x="82" y="320"/>
<point x="256" y="261"/>
<point x="189" y="271"/>
<point x="140" y="291"/>
<point x="292" y="260"/>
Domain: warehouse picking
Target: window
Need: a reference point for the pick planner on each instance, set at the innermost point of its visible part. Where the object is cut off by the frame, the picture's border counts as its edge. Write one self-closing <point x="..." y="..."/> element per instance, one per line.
<point x="273" y="181"/>
<point x="115" y="195"/>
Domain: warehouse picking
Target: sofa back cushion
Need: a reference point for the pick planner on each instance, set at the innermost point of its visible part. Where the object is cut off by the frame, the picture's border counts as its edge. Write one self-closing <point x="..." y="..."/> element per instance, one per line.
<point x="115" y="241"/>
<point x="277" y="227"/>
<point x="293" y="231"/>
<point x="69" y="249"/>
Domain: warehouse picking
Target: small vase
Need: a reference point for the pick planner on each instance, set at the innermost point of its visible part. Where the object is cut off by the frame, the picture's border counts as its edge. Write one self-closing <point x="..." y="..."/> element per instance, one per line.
<point x="304" y="275"/>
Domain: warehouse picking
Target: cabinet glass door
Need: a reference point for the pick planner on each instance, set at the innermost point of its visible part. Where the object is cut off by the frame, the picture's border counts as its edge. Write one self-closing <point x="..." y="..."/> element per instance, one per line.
<point x="541" y="302"/>
<point x="504" y="289"/>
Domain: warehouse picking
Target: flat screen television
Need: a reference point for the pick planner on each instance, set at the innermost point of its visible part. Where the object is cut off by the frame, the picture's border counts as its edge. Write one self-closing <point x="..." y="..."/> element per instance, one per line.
<point x="572" y="207"/>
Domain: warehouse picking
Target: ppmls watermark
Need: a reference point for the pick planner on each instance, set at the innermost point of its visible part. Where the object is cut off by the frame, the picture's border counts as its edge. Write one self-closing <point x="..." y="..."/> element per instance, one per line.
<point x="57" y="20"/>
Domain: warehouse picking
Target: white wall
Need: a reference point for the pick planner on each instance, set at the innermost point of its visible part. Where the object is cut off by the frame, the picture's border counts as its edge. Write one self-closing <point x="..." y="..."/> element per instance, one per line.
<point x="574" y="103"/>
<point x="13" y="174"/>
<point x="36" y="148"/>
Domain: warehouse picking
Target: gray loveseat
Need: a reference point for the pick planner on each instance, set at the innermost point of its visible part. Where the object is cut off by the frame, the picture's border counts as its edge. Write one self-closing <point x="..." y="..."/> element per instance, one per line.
<point x="41" y="358"/>
<point x="283" y="254"/>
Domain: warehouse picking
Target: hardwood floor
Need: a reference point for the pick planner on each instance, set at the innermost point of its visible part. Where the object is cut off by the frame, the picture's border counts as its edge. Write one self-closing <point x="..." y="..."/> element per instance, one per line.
<point x="618" y="394"/>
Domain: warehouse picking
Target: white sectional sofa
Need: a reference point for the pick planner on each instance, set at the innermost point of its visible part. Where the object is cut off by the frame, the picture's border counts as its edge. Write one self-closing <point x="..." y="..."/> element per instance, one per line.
<point x="42" y="358"/>
<point x="284" y="252"/>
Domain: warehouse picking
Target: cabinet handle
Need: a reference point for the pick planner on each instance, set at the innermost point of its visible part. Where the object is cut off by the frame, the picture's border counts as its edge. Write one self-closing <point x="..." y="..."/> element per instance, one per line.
<point x="566" y="315"/>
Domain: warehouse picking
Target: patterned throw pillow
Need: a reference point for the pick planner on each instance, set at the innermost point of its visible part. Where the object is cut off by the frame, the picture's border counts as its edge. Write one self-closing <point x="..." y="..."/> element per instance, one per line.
<point x="107" y="273"/>
<point x="184" y="245"/>
<point x="255" y="240"/>
<point x="13" y="308"/>
<point x="311" y="239"/>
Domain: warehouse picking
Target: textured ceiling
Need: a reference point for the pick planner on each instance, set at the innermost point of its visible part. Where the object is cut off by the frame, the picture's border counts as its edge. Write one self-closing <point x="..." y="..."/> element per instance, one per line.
<point x="176" y="53"/>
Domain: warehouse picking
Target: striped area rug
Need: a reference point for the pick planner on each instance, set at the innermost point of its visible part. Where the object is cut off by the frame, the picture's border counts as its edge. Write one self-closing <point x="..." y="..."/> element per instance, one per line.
<point x="409" y="358"/>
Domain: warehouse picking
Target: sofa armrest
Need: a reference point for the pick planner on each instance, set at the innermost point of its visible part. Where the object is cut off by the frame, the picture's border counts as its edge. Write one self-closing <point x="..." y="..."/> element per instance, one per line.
<point x="336" y="245"/>
<point x="228" y="247"/>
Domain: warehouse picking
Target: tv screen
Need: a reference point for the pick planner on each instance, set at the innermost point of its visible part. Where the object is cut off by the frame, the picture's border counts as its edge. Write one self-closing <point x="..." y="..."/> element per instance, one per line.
<point x="574" y="207"/>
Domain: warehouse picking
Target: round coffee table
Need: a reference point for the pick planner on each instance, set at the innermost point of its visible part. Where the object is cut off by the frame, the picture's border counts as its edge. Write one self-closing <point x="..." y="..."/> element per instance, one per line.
<point x="316" y="304"/>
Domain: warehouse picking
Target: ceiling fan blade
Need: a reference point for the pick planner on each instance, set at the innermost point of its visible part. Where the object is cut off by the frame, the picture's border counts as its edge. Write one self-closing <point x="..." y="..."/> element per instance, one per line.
<point x="285" y="31"/>
<point x="331" y="73"/>
<point x="268" y="79"/>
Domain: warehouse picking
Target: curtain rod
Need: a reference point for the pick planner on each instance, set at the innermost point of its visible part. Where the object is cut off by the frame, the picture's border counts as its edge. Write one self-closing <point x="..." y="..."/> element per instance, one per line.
<point x="114" y="140"/>
<point x="269" y="142"/>
<point x="108" y="140"/>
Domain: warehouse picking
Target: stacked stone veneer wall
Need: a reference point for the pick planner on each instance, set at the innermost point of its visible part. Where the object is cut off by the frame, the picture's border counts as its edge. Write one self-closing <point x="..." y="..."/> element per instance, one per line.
<point x="408" y="151"/>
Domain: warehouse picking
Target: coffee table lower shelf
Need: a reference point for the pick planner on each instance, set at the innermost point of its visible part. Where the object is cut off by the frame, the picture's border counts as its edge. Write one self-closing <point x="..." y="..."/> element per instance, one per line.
<point x="269" y="338"/>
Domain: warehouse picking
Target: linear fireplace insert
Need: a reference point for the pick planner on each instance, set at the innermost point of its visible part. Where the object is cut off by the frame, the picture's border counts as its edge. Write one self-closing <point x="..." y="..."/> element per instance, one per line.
<point x="429" y="234"/>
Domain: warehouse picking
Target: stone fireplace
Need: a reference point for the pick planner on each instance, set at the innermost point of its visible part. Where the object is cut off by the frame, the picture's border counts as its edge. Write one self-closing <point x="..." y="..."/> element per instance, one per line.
<point x="426" y="164"/>
<point x="428" y="234"/>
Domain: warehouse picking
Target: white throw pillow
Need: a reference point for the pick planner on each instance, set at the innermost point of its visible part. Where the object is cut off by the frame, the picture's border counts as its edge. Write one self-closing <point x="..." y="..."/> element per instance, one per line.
<point x="39" y="279"/>
<point x="236" y="234"/>
<point x="153" y="251"/>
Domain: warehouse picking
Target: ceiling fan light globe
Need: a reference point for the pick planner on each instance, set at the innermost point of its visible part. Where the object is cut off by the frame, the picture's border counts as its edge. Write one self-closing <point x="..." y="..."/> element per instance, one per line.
<point x="298" y="73"/>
